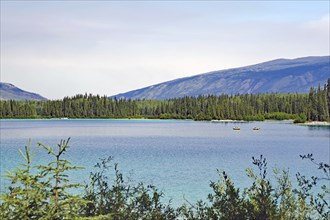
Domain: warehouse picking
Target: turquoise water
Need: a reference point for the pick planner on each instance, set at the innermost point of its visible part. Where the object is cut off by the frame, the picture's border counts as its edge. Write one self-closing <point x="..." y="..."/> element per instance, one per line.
<point x="179" y="157"/>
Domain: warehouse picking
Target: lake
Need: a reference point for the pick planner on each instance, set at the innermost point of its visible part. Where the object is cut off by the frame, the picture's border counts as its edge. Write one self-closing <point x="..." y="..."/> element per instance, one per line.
<point x="179" y="157"/>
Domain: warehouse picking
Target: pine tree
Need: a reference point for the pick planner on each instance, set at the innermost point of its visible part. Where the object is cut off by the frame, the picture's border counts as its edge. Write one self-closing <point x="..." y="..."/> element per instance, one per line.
<point x="62" y="205"/>
<point x="27" y="197"/>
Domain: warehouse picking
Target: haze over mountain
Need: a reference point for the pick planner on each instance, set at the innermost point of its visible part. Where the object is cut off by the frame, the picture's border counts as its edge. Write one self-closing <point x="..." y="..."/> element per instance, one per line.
<point x="9" y="91"/>
<point x="276" y="76"/>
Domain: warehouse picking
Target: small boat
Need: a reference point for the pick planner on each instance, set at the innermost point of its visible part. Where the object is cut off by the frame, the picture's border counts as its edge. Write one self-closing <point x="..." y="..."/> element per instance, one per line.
<point x="256" y="129"/>
<point x="236" y="128"/>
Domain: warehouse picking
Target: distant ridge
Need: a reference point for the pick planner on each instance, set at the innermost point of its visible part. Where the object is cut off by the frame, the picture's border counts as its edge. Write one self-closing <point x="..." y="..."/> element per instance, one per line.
<point x="10" y="92"/>
<point x="276" y="76"/>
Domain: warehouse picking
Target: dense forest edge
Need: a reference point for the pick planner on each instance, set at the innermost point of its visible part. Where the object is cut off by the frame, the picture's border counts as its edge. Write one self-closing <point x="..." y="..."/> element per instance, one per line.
<point x="314" y="106"/>
<point x="42" y="191"/>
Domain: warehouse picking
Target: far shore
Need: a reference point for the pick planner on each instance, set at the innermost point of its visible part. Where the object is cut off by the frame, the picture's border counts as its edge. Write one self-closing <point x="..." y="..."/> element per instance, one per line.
<point x="307" y="123"/>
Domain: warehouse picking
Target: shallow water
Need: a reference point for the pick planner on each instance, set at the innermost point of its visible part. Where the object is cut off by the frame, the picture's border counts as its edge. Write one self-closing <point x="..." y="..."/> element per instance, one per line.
<point x="179" y="157"/>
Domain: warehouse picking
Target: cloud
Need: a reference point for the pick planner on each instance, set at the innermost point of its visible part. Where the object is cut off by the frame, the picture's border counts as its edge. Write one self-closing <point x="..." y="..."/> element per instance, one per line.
<point x="322" y="24"/>
<point x="112" y="47"/>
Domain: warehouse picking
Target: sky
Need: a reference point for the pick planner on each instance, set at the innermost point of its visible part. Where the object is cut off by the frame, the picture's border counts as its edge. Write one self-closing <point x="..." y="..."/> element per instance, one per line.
<point x="64" y="48"/>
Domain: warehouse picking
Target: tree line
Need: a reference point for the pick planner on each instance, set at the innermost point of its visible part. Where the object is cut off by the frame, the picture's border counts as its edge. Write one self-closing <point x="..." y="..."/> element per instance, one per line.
<point x="314" y="106"/>
<point x="42" y="191"/>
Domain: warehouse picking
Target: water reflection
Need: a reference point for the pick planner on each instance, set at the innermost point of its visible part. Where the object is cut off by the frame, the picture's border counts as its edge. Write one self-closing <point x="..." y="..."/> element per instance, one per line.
<point x="318" y="127"/>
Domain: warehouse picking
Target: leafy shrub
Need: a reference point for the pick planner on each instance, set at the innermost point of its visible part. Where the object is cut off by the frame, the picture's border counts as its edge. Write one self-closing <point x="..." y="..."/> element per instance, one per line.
<point x="301" y="118"/>
<point x="121" y="200"/>
<point x="279" y="116"/>
<point x="257" y="117"/>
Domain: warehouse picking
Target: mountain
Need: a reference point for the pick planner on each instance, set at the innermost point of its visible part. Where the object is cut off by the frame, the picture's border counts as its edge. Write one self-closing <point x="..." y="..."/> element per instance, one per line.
<point x="9" y="91"/>
<point x="276" y="76"/>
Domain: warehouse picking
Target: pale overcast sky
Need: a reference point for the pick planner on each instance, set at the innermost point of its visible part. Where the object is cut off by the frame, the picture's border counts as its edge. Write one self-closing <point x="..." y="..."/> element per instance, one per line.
<point x="60" y="48"/>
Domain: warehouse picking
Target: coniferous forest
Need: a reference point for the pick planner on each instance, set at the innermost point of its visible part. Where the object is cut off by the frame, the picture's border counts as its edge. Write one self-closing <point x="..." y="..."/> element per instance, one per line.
<point x="314" y="106"/>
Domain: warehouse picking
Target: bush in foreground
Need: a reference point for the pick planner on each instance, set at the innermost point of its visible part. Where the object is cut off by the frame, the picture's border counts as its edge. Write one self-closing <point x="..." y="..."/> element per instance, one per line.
<point x="42" y="192"/>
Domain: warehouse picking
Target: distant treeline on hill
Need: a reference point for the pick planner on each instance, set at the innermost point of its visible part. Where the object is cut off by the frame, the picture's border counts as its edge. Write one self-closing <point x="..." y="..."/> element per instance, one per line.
<point x="314" y="106"/>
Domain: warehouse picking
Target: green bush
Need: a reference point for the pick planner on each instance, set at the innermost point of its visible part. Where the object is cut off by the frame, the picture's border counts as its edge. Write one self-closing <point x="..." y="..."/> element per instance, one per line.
<point x="301" y="118"/>
<point x="279" y="116"/>
<point x="121" y="200"/>
<point x="43" y="195"/>
<point x="254" y="118"/>
<point x="263" y="200"/>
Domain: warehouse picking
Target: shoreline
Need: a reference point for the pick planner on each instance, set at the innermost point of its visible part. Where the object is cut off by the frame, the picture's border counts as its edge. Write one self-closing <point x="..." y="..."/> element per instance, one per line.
<point x="316" y="123"/>
<point x="307" y="123"/>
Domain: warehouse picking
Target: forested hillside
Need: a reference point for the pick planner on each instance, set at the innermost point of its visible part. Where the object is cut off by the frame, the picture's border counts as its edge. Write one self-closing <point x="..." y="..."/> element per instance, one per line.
<point x="301" y="107"/>
<point x="276" y="76"/>
<point x="10" y="92"/>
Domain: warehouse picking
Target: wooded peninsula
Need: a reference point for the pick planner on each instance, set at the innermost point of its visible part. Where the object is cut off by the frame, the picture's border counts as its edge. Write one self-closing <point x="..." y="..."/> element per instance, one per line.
<point x="314" y="106"/>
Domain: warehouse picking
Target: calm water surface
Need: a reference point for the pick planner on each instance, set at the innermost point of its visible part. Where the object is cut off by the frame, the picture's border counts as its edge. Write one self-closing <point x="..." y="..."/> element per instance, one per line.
<point x="179" y="157"/>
